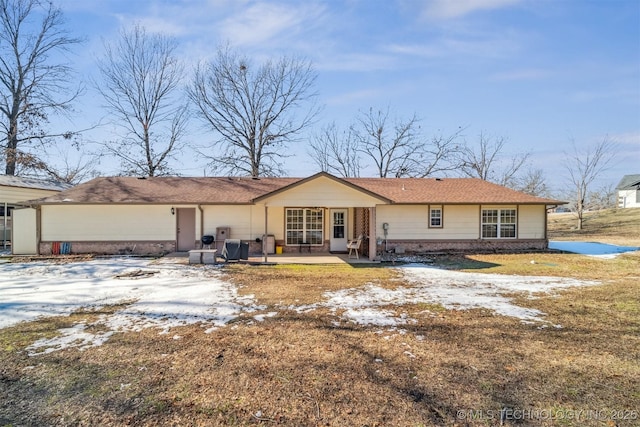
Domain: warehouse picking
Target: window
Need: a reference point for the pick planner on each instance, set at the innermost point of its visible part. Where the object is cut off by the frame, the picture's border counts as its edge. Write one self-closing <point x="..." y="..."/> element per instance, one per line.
<point x="435" y="217"/>
<point x="499" y="223"/>
<point x="304" y="226"/>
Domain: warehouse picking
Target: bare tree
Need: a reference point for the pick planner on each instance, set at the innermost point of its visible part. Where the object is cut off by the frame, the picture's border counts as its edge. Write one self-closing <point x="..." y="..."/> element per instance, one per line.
<point x="438" y="155"/>
<point x="336" y="152"/>
<point x="255" y="110"/>
<point x="486" y="161"/>
<point x="583" y="167"/>
<point x="141" y="79"/>
<point x="32" y="85"/>
<point x="604" y="197"/>
<point x="389" y="145"/>
<point x="534" y="182"/>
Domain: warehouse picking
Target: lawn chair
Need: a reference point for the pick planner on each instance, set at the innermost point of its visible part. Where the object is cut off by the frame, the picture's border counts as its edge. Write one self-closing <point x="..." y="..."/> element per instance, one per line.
<point x="354" y="246"/>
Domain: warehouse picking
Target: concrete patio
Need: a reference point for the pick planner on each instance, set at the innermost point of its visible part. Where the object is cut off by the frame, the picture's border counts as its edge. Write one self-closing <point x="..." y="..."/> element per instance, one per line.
<point x="313" y="258"/>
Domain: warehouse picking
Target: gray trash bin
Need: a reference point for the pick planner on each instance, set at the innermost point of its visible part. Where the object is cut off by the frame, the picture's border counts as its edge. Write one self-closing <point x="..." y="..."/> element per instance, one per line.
<point x="244" y="250"/>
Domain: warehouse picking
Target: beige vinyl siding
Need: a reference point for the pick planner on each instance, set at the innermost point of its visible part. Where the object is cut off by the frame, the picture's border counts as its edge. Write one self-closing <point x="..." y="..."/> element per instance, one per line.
<point x="247" y="222"/>
<point x="24" y="240"/>
<point x="412" y="222"/>
<point x="14" y="195"/>
<point x="531" y="221"/>
<point x="322" y="192"/>
<point x="108" y="222"/>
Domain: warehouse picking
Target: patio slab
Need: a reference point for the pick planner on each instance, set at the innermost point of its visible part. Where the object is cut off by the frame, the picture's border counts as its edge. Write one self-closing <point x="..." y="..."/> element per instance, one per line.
<point x="314" y="258"/>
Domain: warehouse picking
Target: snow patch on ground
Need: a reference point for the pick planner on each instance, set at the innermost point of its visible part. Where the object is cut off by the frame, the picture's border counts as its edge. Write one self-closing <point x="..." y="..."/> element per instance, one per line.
<point x="452" y="289"/>
<point x="164" y="294"/>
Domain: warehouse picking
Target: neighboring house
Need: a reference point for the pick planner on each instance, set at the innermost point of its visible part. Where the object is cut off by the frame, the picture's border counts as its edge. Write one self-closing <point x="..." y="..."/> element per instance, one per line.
<point x="15" y="189"/>
<point x="317" y="214"/>
<point x="629" y="192"/>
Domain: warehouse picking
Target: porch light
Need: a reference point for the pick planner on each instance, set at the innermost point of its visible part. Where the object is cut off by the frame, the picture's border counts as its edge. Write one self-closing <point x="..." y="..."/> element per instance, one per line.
<point x="173" y="211"/>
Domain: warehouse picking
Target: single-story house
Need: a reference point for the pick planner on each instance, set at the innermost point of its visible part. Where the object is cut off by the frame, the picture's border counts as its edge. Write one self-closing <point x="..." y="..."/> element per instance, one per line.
<point x="320" y="213"/>
<point x="629" y="191"/>
<point x="15" y="189"/>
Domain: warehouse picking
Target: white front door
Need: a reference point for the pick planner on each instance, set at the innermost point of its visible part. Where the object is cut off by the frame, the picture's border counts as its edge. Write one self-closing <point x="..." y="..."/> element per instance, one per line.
<point x="338" y="240"/>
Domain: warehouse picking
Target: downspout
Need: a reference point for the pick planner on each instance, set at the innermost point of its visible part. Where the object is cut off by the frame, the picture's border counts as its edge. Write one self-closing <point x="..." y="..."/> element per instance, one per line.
<point x="201" y="224"/>
<point x="38" y="228"/>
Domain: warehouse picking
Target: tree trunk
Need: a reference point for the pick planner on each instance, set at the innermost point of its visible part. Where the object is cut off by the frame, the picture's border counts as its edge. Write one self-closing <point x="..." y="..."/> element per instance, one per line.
<point x="12" y="149"/>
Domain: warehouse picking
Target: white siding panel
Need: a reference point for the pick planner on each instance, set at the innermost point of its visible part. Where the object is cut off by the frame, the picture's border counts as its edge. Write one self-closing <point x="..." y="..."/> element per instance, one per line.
<point x="628" y="199"/>
<point x="107" y="222"/>
<point x="412" y="222"/>
<point x="322" y="192"/>
<point x="245" y="221"/>
<point x="25" y="240"/>
<point x="531" y="222"/>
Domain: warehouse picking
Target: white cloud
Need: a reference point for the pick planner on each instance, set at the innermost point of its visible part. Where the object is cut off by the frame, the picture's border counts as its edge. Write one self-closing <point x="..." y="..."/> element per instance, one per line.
<point x="262" y="22"/>
<point x="449" y="9"/>
<point x="478" y="45"/>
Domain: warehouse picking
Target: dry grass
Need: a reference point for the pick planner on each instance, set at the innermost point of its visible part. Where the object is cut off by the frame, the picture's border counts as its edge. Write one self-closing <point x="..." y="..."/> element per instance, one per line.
<point x="615" y="226"/>
<point x="300" y="369"/>
<point x="286" y="285"/>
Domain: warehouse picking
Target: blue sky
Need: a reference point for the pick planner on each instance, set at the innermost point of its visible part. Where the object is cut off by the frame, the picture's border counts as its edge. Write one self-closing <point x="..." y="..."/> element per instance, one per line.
<point x="540" y="73"/>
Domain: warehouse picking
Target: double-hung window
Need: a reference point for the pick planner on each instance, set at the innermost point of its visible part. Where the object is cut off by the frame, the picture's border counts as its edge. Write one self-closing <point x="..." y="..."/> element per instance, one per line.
<point x="435" y="217"/>
<point x="499" y="223"/>
<point x="304" y="226"/>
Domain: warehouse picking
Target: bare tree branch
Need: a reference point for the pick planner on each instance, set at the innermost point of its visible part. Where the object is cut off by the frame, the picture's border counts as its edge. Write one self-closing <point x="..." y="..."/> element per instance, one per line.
<point x="336" y="152"/>
<point x="583" y="167"/>
<point x="141" y="88"/>
<point x="253" y="110"/>
<point x="31" y="86"/>
<point x="534" y="182"/>
<point x="389" y="145"/>
<point x="486" y="161"/>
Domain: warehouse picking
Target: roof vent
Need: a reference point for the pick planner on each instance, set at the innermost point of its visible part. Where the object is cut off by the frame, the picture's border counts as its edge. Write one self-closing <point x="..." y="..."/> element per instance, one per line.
<point x="142" y="177"/>
<point x="438" y="179"/>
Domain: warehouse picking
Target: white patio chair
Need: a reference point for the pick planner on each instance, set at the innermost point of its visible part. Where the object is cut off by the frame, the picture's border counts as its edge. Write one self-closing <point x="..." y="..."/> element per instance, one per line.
<point x="354" y="246"/>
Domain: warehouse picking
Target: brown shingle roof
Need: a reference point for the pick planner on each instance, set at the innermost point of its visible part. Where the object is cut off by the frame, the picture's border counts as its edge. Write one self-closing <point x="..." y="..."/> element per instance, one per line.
<point x="224" y="190"/>
<point x="171" y="190"/>
<point x="446" y="190"/>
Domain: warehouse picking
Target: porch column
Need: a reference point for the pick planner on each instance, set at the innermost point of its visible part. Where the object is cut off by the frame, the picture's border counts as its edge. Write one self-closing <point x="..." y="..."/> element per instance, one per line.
<point x="4" y="227"/>
<point x="264" y="235"/>
<point x="372" y="234"/>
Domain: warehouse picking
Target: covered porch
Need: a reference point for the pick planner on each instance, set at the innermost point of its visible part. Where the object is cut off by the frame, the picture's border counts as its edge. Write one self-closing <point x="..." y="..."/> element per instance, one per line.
<point x="320" y="214"/>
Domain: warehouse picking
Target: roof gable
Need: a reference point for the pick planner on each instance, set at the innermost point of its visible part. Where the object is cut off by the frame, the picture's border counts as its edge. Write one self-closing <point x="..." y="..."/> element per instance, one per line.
<point x="629" y="182"/>
<point x="322" y="189"/>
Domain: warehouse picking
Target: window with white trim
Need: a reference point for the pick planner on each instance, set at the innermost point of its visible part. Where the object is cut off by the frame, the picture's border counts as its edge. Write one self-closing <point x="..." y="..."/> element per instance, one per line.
<point x="499" y="223"/>
<point x="435" y="217"/>
<point x="304" y="226"/>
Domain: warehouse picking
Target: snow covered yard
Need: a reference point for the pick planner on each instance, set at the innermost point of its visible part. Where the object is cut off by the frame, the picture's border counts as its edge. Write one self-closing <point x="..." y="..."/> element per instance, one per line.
<point x="164" y="294"/>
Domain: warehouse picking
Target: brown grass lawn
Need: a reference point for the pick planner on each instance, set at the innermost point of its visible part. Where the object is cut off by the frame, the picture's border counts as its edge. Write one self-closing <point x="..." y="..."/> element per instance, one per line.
<point x="615" y="226"/>
<point x="451" y="368"/>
